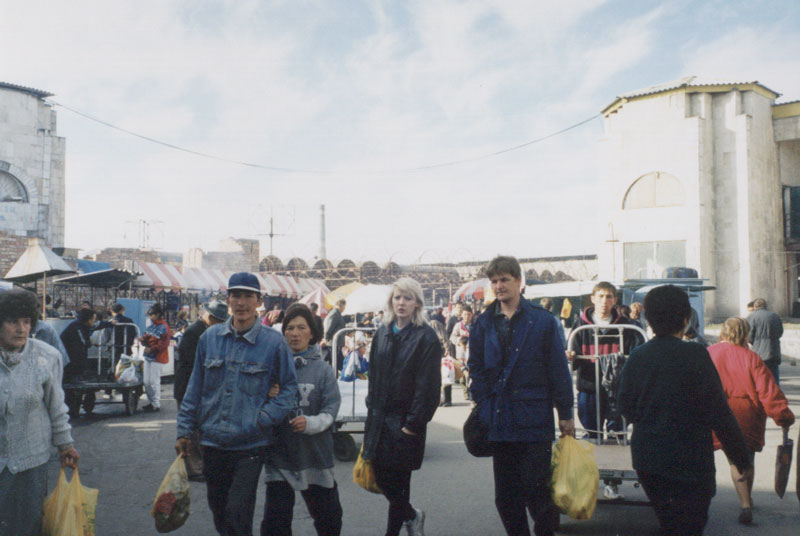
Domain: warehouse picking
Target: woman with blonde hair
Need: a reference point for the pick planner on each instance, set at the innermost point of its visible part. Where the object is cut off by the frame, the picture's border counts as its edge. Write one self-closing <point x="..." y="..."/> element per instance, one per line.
<point x="403" y="394"/>
<point x="752" y="396"/>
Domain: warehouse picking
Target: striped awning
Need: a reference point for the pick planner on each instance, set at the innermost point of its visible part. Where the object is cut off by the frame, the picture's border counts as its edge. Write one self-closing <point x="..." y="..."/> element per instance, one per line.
<point x="281" y="285"/>
<point x="472" y="290"/>
<point x="310" y="285"/>
<point x="206" y="279"/>
<point x="159" y="276"/>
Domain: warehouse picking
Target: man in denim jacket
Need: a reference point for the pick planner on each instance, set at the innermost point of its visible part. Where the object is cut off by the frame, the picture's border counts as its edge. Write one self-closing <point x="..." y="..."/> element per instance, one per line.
<point x="227" y="400"/>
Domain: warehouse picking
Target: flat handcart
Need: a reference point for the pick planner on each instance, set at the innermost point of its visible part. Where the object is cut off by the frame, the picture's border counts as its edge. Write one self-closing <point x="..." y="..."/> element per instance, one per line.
<point x="612" y="449"/>
<point x="353" y="409"/>
<point x="104" y="378"/>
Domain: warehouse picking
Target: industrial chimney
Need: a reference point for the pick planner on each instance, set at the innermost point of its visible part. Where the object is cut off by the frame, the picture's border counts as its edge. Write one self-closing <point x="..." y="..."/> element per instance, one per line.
<point x="322" y="253"/>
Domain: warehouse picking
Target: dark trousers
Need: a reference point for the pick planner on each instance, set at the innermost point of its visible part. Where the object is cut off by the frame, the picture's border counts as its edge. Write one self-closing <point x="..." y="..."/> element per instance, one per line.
<point x="587" y="413"/>
<point x="231" y="484"/>
<point x="396" y="487"/>
<point x="183" y="372"/>
<point x="323" y="505"/>
<point x="774" y="367"/>
<point x="681" y="507"/>
<point x="522" y="479"/>
<point x="447" y="394"/>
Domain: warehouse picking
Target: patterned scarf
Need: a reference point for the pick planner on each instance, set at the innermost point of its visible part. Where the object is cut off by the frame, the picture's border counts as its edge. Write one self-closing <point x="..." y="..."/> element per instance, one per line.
<point x="10" y="357"/>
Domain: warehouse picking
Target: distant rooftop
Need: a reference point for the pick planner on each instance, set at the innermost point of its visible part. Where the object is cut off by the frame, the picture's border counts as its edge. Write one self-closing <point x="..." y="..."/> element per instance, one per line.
<point x="38" y="93"/>
<point x="691" y="83"/>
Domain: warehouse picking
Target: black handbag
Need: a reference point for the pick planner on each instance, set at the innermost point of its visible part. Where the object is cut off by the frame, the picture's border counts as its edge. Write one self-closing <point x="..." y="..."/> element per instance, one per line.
<point x="476" y="435"/>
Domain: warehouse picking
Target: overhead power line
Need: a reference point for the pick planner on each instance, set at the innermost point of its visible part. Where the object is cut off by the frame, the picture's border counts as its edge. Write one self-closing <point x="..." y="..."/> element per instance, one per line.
<point x="323" y="171"/>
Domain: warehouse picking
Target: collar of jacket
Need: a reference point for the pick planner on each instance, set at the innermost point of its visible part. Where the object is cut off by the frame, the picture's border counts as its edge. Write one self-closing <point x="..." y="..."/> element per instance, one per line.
<point x="311" y="353"/>
<point x="250" y="335"/>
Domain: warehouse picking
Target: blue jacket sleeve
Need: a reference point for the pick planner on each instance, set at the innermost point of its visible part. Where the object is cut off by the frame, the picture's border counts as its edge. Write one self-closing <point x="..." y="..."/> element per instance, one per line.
<point x="560" y="376"/>
<point x="275" y="410"/>
<point x="479" y="386"/>
<point x="188" y="412"/>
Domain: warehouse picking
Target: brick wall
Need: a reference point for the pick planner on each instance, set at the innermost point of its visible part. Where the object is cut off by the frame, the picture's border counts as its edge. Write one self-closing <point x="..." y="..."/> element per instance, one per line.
<point x="11" y="247"/>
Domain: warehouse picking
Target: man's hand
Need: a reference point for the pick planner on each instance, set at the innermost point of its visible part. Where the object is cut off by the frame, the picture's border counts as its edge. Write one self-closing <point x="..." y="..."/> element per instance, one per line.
<point x="298" y="424"/>
<point x="69" y="457"/>
<point x="567" y="427"/>
<point x="182" y="446"/>
<point x="323" y="343"/>
<point x="570" y="355"/>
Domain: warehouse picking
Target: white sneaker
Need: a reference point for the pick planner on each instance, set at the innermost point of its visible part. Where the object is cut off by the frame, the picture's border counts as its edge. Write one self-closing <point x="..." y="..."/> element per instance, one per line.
<point x="611" y="492"/>
<point x="414" y="526"/>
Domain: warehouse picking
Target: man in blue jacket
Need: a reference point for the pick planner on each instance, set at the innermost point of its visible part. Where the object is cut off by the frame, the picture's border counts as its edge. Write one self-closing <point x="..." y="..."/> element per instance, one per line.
<point x="227" y="400"/>
<point x="519" y="373"/>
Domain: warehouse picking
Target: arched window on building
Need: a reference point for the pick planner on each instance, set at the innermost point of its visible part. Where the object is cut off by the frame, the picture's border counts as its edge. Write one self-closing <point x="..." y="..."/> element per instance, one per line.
<point x="655" y="189"/>
<point x="11" y="189"/>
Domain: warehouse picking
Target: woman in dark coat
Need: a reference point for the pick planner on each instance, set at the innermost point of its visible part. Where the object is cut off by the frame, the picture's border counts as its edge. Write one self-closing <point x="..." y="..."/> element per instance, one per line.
<point x="403" y="394"/>
<point x="671" y="392"/>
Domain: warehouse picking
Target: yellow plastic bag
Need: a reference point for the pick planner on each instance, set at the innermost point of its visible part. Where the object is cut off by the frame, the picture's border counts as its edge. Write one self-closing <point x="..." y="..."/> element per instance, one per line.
<point x="70" y="509"/>
<point x="171" y="505"/>
<point x="364" y="474"/>
<point x="575" y="477"/>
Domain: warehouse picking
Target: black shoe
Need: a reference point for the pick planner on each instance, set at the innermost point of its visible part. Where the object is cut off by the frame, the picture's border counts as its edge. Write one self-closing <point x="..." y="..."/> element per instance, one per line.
<point x="149" y="408"/>
<point x="197" y="478"/>
<point x="746" y="516"/>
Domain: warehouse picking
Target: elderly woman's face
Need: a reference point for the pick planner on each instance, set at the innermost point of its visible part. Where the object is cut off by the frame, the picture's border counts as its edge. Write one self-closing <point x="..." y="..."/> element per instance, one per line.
<point x="14" y="333"/>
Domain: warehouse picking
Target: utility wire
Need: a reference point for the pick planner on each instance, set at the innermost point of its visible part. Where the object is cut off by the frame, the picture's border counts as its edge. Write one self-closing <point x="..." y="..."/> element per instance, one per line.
<point x="322" y="171"/>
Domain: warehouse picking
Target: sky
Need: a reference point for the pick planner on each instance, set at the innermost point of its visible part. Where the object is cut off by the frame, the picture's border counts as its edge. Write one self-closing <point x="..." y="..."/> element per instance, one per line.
<point x="391" y="114"/>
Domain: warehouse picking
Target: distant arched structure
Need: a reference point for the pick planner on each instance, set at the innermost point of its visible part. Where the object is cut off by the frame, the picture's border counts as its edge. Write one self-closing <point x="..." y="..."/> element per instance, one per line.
<point x="370" y="271"/>
<point x="321" y="269"/>
<point x="561" y="276"/>
<point x="346" y="269"/>
<point x="270" y="263"/>
<point x="547" y="276"/>
<point x="297" y="266"/>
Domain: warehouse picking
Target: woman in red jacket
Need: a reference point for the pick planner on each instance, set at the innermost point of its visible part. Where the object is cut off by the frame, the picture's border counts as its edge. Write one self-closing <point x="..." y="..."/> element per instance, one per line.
<point x="752" y="395"/>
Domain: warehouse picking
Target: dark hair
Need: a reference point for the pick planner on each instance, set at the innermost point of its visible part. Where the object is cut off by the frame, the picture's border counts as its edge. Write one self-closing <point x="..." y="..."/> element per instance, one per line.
<point x="504" y="265"/>
<point x="759" y="303"/>
<point x="604" y="285"/>
<point x="623" y="310"/>
<point x="546" y="303"/>
<point x="156" y="309"/>
<point x="667" y="309"/>
<point x="466" y="309"/>
<point x="18" y="303"/>
<point x="301" y="309"/>
<point x="84" y="315"/>
<point x="117" y="308"/>
<point x="313" y="307"/>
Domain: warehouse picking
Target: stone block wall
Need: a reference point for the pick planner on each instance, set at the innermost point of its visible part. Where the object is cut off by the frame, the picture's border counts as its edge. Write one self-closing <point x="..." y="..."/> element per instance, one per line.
<point x="11" y="247"/>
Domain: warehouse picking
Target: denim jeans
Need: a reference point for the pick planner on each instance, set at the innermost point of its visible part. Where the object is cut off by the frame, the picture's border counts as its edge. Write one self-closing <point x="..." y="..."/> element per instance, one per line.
<point x="231" y="485"/>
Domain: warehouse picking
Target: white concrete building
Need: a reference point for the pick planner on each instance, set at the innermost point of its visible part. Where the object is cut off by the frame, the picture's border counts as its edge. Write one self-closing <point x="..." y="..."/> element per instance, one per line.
<point x="695" y="174"/>
<point x="31" y="166"/>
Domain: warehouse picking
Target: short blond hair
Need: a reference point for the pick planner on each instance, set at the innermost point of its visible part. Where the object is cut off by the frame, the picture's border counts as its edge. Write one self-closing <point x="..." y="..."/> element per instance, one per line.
<point x="735" y="331"/>
<point x="409" y="286"/>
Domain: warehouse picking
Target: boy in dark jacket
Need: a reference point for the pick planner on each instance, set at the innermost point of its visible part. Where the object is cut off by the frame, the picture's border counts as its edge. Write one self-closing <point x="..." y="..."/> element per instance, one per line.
<point x="602" y="312"/>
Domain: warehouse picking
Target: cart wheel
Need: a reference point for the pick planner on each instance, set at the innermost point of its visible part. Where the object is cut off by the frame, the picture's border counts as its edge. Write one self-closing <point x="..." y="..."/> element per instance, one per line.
<point x="131" y="399"/>
<point x="344" y="447"/>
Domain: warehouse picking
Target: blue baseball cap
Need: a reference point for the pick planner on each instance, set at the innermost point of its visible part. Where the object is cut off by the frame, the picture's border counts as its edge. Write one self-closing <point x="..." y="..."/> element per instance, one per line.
<point x="244" y="281"/>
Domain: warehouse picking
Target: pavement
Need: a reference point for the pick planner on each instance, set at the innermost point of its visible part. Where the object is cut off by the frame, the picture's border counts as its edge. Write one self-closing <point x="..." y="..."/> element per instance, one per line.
<point x="126" y="458"/>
